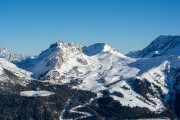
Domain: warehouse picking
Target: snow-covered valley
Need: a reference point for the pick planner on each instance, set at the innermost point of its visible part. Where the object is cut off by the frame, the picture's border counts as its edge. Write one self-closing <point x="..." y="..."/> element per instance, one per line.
<point x="35" y="93"/>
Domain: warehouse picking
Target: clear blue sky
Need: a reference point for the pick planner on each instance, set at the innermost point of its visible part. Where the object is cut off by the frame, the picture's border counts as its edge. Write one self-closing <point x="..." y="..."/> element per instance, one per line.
<point x="30" y="26"/>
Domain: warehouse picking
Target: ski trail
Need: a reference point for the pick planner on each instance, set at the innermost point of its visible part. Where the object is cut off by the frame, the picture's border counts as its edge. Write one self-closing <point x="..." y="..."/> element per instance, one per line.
<point x="66" y="106"/>
<point x="85" y="114"/>
<point x="74" y="109"/>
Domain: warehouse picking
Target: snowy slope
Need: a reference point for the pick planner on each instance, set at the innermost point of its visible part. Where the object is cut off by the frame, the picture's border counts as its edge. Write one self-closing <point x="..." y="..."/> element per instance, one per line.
<point x="123" y="74"/>
<point x="163" y="45"/>
<point x="36" y="93"/>
<point x="10" y="72"/>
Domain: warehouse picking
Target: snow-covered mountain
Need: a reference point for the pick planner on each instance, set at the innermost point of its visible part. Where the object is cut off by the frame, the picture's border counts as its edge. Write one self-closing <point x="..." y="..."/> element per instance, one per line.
<point x="10" y="56"/>
<point x="148" y="82"/>
<point x="163" y="45"/>
<point x="133" y="82"/>
<point x="63" y="57"/>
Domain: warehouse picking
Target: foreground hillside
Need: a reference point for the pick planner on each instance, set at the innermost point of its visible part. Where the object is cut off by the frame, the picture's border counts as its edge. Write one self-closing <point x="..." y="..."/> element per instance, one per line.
<point x="65" y="103"/>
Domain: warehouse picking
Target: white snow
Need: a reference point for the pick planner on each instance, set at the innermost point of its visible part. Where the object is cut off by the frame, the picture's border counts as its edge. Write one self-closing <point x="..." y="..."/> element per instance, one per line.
<point x="4" y="64"/>
<point x="84" y="114"/>
<point x="36" y="93"/>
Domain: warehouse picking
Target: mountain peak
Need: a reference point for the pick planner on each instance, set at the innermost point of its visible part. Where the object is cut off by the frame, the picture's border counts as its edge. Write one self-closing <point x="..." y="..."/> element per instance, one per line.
<point x="61" y="55"/>
<point x="90" y="50"/>
<point x="162" y="45"/>
<point x="165" y="40"/>
<point x="61" y="44"/>
<point x="100" y="48"/>
<point x="168" y="36"/>
<point x="94" y="49"/>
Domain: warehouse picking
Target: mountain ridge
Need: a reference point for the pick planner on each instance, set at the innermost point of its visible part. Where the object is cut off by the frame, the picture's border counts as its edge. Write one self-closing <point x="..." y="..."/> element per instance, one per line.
<point x="61" y="52"/>
<point x="163" y="45"/>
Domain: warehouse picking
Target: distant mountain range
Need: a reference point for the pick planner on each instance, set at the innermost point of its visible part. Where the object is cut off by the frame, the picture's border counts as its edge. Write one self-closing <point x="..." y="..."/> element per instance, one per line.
<point x="99" y="79"/>
<point x="10" y="56"/>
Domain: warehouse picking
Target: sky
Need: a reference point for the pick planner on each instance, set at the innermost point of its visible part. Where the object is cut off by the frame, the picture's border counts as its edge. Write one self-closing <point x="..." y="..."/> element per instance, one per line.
<point x="30" y="26"/>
